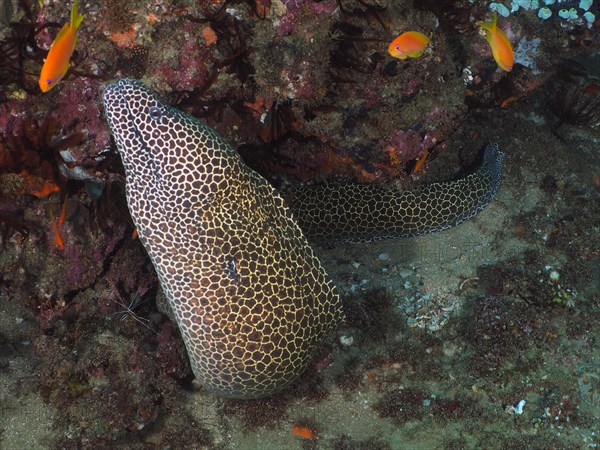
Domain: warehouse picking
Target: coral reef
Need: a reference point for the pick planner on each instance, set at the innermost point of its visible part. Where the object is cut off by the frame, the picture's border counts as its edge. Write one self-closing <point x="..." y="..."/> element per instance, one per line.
<point x="308" y="93"/>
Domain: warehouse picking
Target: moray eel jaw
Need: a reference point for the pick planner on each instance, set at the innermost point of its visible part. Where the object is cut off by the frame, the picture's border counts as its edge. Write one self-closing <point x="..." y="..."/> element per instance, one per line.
<point x="251" y="300"/>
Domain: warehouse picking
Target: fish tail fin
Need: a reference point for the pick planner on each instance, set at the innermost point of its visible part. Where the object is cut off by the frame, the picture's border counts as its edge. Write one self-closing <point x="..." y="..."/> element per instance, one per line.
<point x="484" y="25"/>
<point x="489" y="26"/>
<point x="494" y="20"/>
<point x="76" y="18"/>
<point x="492" y="163"/>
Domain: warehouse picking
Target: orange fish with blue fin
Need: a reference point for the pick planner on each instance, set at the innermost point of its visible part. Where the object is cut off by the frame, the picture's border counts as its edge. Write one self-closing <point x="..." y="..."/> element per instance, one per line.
<point x="410" y="44"/>
<point x="57" y="62"/>
<point x="502" y="50"/>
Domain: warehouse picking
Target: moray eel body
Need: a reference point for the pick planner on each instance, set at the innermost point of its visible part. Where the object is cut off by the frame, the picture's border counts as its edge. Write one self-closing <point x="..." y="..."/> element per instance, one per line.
<point x="237" y="273"/>
<point x="250" y="298"/>
<point x="364" y="213"/>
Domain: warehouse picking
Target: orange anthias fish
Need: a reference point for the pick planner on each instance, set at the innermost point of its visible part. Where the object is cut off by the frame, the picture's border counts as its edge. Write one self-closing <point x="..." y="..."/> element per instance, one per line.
<point x="420" y="161"/>
<point x="501" y="49"/>
<point x="63" y="213"/>
<point x="408" y="45"/>
<point x="57" y="236"/>
<point x="57" y="62"/>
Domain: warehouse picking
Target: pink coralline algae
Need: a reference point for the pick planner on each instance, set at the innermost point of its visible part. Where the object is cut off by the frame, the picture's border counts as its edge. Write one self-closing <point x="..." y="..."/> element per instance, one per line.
<point x="77" y="109"/>
<point x="74" y="110"/>
<point x="412" y="87"/>
<point x="12" y="117"/>
<point x="408" y="145"/>
<point x="295" y="8"/>
<point x="439" y="125"/>
<point x="170" y="352"/>
<point x="187" y="70"/>
<point x="77" y="269"/>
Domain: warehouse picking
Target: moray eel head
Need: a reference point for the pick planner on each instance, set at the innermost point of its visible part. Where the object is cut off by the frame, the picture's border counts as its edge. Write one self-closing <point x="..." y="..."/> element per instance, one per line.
<point x="159" y="145"/>
<point x="251" y="300"/>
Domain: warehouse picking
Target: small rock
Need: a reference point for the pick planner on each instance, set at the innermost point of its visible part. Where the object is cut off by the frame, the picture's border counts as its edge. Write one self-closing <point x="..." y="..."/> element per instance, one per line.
<point x="346" y="340"/>
<point x="544" y="13"/>
<point x="405" y="273"/>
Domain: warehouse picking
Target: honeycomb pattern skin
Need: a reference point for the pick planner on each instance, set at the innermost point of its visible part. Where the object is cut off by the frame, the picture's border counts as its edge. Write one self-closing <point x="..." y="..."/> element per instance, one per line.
<point x="250" y="298"/>
<point x="365" y="213"/>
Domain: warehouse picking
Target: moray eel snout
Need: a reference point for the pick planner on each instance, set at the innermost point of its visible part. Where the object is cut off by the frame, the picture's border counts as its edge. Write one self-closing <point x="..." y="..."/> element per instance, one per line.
<point x="250" y="298"/>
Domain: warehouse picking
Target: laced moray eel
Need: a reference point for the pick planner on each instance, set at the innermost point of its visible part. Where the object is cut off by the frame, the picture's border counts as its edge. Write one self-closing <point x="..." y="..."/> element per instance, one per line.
<point x="365" y="213"/>
<point x="237" y="273"/>
<point x="249" y="296"/>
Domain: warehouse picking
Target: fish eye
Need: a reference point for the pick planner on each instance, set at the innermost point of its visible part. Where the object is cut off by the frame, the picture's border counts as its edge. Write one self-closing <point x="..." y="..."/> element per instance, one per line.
<point x="397" y="47"/>
<point x="155" y="112"/>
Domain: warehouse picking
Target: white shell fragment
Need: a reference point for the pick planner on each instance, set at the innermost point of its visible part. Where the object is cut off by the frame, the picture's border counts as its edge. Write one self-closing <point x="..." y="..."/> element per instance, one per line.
<point x="585" y="4"/>
<point x="519" y="408"/>
<point x="346" y="341"/>
<point x="568" y="14"/>
<point x="500" y="9"/>
<point x="544" y="13"/>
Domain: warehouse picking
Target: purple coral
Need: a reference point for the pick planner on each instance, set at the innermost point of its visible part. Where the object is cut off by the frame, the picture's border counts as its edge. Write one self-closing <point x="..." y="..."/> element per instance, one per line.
<point x="295" y="8"/>
<point x="408" y="145"/>
<point x="76" y="267"/>
<point x="189" y="69"/>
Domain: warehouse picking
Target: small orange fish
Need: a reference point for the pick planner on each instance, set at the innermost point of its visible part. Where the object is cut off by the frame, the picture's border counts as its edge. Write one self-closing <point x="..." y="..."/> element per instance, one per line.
<point x="57" y="237"/>
<point x="508" y="101"/>
<point x="303" y="432"/>
<point x="45" y="190"/>
<point x="63" y="213"/>
<point x="420" y="161"/>
<point x="408" y="45"/>
<point x="57" y="62"/>
<point x="501" y="49"/>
